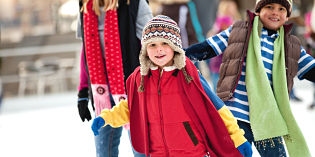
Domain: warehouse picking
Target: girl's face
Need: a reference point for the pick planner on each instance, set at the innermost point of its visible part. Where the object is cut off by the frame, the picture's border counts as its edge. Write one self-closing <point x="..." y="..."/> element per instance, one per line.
<point x="273" y="16"/>
<point x="160" y="53"/>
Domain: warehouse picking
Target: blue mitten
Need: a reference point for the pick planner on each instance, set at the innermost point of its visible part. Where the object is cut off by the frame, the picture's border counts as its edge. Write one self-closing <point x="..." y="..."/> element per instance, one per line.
<point x="98" y="122"/>
<point x="200" y="51"/>
<point x="245" y="149"/>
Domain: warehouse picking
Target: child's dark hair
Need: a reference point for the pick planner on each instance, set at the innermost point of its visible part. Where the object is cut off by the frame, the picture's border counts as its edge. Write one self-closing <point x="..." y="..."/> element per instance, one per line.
<point x="286" y="3"/>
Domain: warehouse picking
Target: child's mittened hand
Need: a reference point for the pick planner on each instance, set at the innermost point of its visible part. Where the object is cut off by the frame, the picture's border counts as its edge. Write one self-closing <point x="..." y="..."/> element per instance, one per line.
<point x="246" y="149"/>
<point x="199" y="50"/>
<point x="98" y="122"/>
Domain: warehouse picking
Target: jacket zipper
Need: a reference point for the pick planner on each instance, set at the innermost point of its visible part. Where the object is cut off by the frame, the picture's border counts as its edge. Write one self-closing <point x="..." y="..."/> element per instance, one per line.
<point x="161" y="117"/>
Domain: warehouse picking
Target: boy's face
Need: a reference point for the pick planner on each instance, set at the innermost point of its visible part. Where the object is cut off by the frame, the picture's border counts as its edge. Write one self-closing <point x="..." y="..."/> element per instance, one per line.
<point x="160" y="53"/>
<point x="273" y="16"/>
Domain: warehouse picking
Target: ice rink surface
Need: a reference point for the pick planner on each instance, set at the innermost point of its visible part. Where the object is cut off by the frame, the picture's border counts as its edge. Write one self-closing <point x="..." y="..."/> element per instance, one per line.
<point x="50" y="126"/>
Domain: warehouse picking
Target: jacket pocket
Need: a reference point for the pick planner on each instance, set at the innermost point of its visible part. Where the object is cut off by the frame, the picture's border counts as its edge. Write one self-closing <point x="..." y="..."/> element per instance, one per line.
<point x="191" y="133"/>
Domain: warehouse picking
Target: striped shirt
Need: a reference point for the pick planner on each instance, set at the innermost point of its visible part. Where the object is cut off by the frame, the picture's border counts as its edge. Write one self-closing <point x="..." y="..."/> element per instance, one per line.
<point x="238" y="104"/>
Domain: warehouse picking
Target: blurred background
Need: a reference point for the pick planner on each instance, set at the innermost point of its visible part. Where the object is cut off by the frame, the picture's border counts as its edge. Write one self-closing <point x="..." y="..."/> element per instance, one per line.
<point x="39" y="75"/>
<point x="39" y="51"/>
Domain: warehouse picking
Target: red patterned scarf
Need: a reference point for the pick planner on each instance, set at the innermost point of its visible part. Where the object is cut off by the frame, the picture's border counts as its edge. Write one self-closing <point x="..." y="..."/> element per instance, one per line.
<point x="113" y="59"/>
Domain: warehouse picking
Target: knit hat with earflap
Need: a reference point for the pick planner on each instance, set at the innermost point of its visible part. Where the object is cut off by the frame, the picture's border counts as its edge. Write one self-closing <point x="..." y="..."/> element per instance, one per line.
<point x="286" y="3"/>
<point x="162" y="29"/>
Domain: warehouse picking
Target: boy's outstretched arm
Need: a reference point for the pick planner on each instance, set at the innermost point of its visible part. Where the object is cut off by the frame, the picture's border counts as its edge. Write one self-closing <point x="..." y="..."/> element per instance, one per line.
<point x="211" y="47"/>
<point x="236" y="134"/>
<point x="115" y="117"/>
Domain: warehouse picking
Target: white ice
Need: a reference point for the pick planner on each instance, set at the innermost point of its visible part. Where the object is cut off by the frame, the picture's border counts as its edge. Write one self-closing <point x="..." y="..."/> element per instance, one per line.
<point x="49" y="126"/>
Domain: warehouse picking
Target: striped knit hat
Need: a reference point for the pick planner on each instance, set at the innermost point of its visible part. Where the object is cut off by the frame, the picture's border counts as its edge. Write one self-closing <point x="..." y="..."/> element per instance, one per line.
<point x="286" y="3"/>
<point x="164" y="29"/>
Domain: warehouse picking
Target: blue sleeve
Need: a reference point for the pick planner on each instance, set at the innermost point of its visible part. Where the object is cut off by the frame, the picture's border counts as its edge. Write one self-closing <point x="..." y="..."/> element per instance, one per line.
<point x="219" y="42"/>
<point x="217" y="102"/>
<point x="306" y="62"/>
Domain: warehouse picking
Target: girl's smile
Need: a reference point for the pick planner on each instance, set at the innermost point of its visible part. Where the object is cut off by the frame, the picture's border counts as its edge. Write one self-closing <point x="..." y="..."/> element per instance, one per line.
<point x="160" y="53"/>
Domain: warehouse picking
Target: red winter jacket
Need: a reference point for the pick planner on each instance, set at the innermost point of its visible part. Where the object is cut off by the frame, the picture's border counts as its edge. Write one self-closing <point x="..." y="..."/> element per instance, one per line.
<point x="171" y="131"/>
<point x="173" y="118"/>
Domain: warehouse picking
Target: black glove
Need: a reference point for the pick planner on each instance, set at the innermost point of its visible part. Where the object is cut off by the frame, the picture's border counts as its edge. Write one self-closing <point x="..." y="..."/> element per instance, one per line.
<point x="83" y="102"/>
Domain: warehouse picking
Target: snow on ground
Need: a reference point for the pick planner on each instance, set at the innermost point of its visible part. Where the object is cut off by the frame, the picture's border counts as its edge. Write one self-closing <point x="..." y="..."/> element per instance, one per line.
<point x="50" y="126"/>
<point x="47" y="126"/>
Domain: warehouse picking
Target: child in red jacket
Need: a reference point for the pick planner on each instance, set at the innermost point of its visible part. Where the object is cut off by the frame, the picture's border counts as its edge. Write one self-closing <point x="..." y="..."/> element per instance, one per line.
<point x="168" y="106"/>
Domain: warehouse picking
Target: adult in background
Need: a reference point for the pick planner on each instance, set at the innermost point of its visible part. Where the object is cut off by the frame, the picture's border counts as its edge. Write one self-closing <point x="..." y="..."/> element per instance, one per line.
<point x="110" y="31"/>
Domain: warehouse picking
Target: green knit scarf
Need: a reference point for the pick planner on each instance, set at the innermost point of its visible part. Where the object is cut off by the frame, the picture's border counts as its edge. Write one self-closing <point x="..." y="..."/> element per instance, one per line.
<point x="270" y="112"/>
